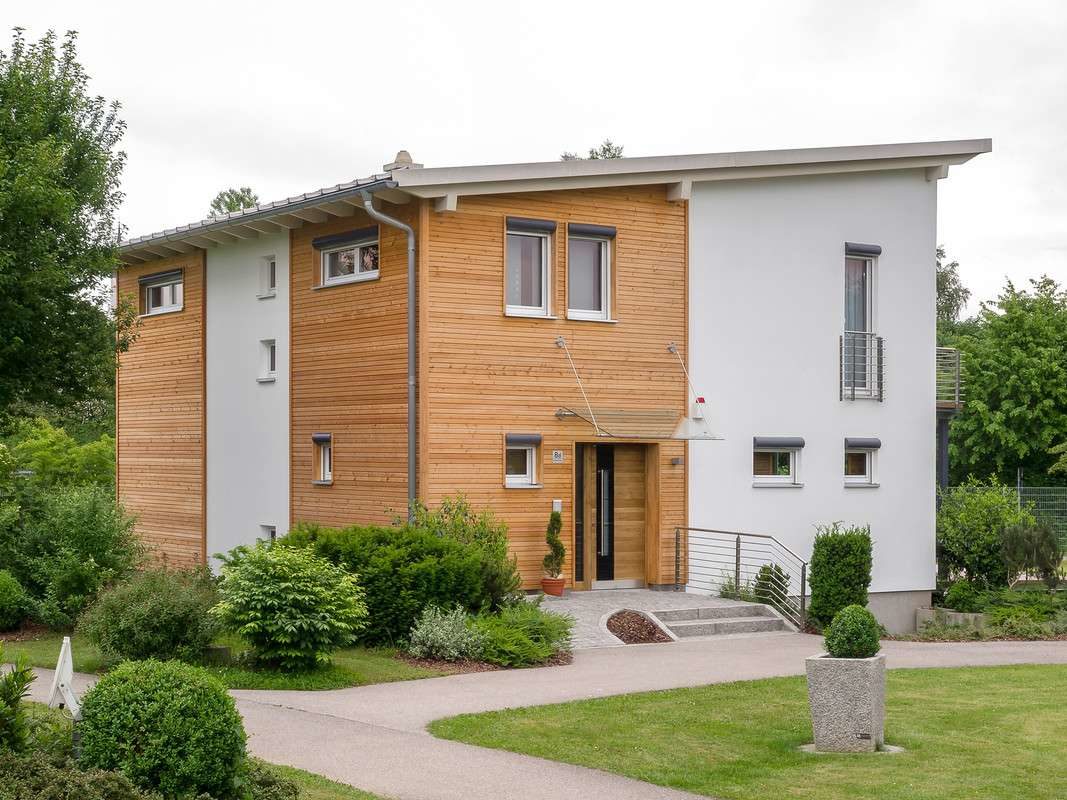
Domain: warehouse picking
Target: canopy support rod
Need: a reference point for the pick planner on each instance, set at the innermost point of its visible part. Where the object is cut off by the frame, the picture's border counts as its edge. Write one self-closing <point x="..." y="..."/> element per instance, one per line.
<point x="562" y="344"/>
<point x="673" y="348"/>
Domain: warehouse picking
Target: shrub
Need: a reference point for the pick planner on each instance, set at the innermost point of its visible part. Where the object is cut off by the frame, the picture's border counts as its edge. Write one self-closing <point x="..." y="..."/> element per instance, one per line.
<point x="403" y="570"/>
<point x="78" y="542"/>
<point x="445" y="635"/>
<point x="771" y="585"/>
<point x="840" y="570"/>
<point x="167" y="726"/>
<point x="260" y="782"/>
<point x="553" y="560"/>
<point x="156" y="614"/>
<point x="1036" y="604"/>
<point x="14" y="688"/>
<point x="1017" y="624"/>
<point x="293" y="607"/>
<point x="963" y="596"/>
<point x="36" y="777"/>
<point x="456" y="519"/>
<point x="853" y="633"/>
<point x="729" y="588"/>
<point x="13" y="601"/>
<point x="970" y="524"/>
<point x="1032" y="550"/>
<point x="523" y="634"/>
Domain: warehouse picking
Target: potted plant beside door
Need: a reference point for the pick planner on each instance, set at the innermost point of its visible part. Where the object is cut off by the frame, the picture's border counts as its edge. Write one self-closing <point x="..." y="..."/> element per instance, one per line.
<point x="846" y="685"/>
<point x="552" y="582"/>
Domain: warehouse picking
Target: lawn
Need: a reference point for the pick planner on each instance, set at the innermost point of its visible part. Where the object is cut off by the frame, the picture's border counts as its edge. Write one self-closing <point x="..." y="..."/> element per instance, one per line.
<point x="353" y="666"/>
<point x="989" y="732"/>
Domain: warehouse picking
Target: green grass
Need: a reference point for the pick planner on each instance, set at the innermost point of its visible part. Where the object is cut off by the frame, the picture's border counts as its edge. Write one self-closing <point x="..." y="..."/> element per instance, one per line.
<point x="316" y="787"/>
<point x="353" y="666"/>
<point x="989" y="732"/>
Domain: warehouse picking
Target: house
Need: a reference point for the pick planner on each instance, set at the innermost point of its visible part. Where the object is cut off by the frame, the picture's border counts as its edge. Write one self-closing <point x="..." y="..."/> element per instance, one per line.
<point x="739" y="341"/>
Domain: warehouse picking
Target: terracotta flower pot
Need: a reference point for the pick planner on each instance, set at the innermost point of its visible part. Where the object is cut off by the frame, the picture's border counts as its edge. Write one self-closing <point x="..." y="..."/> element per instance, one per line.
<point x="552" y="586"/>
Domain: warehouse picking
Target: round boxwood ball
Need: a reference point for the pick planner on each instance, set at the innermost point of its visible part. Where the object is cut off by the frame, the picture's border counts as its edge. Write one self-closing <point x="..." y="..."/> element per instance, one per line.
<point x="169" y="727"/>
<point x="853" y="633"/>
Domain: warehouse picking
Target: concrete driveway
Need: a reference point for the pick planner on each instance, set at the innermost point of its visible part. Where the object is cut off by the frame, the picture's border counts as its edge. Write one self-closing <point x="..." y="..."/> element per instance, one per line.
<point x="374" y="737"/>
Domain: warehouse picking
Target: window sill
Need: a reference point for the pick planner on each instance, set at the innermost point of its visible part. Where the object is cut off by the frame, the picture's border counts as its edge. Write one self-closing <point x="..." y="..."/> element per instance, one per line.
<point x="521" y="315"/>
<point x="161" y="313"/>
<point x="367" y="276"/>
<point x="266" y="379"/>
<point x="858" y="485"/>
<point x="524" y="486"/>
<point x="322" y="483"/>
<point x="266" y="295"/>
<point x="776" y="485"/>
<point x="571" y="317"/>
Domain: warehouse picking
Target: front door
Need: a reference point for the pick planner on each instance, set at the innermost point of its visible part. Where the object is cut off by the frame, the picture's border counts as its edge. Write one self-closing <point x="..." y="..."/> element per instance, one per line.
<point x="610" y="531"/>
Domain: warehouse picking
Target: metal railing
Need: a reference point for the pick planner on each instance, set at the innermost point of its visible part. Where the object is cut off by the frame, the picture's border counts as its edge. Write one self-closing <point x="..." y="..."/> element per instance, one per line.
<point x="862" y="362"/>
<point x="949" y="378"/>
<point x="744" y="566"/>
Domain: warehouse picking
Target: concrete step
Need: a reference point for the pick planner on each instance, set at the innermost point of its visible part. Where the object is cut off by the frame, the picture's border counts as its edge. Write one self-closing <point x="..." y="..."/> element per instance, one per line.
<point x="713" y="612"/>
<point x="727" y="625"/>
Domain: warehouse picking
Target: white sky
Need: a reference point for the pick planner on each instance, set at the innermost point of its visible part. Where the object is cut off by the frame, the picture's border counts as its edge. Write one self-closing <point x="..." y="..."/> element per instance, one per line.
<point x="287" y="97"/>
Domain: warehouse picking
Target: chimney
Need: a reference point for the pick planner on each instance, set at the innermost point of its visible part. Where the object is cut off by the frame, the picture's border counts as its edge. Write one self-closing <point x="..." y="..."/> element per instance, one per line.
<point x="402" y="161"/>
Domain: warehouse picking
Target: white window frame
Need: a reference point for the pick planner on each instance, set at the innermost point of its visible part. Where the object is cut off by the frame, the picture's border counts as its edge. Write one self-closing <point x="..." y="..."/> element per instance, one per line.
<point x="355" y="277"/>
<point x="869" y="304"/>
<point x="861" y="480"/>
<point x="324" y="456"/>
<point x="268" y="532"/>
<point x="792" y="479"/>
<point x="268" y="360"/>
<point x="605" y="281"/>
<point x="167" y="284"/>
<point x="543" y="310"/>
<point x="267" y="290"/>
<point x="528" y="478"/>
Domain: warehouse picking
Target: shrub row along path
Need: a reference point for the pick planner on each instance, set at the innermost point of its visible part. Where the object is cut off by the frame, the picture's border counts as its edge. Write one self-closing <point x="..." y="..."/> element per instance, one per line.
<point x="374" y="737"/>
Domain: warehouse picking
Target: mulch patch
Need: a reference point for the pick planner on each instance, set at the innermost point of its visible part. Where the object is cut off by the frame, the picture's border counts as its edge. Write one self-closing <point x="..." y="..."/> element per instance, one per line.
<point x="26" y="633"/>
<point x="634" y="628"/>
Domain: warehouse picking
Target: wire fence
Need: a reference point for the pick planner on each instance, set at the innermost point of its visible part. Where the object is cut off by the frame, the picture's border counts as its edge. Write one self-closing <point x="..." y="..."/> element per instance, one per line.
<point x="1047" y="503"/>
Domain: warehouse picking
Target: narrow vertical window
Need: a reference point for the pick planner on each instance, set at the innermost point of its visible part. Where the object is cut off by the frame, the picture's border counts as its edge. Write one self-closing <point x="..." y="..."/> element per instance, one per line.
<point x="323" y="458"/>
<point x="326" y="462"/>
<point x="268" y="360"/>
<point x="268" y="277"/>
<point x="858" y="354"/>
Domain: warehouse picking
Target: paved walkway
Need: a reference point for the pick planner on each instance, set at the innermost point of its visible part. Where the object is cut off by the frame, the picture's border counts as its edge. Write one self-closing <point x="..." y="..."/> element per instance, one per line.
<point x="591" y="610"/>
<point x="374" y="737"/>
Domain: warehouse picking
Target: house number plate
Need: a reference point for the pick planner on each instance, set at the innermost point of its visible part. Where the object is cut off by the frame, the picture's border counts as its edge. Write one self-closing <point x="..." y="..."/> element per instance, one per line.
<point x="557" y="457"/>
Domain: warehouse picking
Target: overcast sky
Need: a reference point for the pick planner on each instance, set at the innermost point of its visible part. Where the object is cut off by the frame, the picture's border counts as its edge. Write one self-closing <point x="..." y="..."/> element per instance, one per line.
<point x="287" y="97"/>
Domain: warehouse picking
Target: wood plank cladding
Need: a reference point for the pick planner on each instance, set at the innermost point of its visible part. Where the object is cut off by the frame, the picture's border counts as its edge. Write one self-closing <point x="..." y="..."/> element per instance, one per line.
<point x="348" y="362"/>
<point x="486" y="374"/>
<point x="160" y="417"/>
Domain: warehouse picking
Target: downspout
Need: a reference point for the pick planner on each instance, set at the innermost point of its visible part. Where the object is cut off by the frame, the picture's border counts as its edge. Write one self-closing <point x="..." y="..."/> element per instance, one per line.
<point x="373" y="213"/>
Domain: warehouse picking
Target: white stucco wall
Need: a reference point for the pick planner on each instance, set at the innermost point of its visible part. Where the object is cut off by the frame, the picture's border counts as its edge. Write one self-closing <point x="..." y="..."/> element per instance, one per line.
<point x="247" y="420"/>
<point x="767" y="270"/>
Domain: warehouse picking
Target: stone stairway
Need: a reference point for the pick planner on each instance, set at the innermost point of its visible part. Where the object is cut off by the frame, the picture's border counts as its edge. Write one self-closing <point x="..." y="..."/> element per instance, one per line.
<point x="719" y="621"/>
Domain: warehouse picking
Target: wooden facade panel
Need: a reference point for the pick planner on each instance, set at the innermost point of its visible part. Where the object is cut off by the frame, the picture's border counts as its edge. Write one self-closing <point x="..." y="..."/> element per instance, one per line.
<point x="486" y="374"/>
<point x="160" y="417"/>
<point x="348" y="362"/>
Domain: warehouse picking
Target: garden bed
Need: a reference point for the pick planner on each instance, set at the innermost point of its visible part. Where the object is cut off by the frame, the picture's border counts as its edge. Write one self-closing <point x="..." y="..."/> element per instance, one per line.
<point x="633" y="627"/>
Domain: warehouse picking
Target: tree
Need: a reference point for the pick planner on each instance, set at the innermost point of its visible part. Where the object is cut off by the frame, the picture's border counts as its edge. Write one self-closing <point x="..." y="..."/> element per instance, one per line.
<point x="1015" y="371"/>
<point x="59" y="195"/>
<point x="606" y="149"/>
<point x="229" y="200"/>
<point x="952" y="295"/>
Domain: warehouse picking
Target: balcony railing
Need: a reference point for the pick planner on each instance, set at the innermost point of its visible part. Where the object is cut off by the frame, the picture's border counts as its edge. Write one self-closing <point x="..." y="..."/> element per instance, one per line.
<point x="949" y="378"/>
<point x="862" y="366"/>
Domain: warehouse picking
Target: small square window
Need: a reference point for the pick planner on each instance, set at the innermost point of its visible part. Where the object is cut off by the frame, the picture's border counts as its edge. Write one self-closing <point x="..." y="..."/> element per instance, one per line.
<point x="859" y="466"/>
<point x="268" y="533"/>
<point x="527" y="274"/>
<point x="352" y="262"/>
<point x="588" y="277"/>
<point x="775" y="466"/>
<point x="159" y="297"/>
<point x="519" y="465"/>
